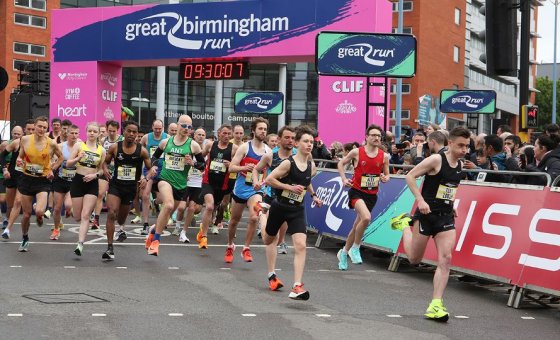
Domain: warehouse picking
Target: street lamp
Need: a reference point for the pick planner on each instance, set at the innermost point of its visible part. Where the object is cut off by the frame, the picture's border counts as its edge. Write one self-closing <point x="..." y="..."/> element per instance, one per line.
<point x="140" y="100"/>
<point x="554" y="77"/>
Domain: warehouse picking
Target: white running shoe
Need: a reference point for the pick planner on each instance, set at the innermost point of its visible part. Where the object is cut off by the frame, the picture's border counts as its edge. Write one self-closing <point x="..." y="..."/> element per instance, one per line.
<point x="215" y="230"/>
<point x="183" y="237"/>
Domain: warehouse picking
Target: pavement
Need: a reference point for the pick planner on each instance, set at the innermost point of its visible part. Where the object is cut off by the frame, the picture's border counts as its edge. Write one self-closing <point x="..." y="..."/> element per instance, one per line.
<point x="187" y="293"/>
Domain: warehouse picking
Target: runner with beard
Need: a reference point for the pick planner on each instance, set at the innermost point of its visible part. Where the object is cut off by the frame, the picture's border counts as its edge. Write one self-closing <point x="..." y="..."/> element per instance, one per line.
<point x="11" y="174"/>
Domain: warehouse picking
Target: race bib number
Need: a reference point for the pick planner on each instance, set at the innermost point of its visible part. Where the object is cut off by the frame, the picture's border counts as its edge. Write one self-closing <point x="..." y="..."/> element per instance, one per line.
<point x="125" y="173"/>
<point x="292" y="196"/>
<point x="369" y="181"/>
<point x="67" y="174"/>
<point x="195" y="172"/>
<point x="174" y="162"/>
<point x="90" y="159"/>
<point x="34" y="169"/>
<point x="249" y="178"/>
<point x="445" y="192"/>
<point x="217" y="166"/>
<point x="233" y="175"/>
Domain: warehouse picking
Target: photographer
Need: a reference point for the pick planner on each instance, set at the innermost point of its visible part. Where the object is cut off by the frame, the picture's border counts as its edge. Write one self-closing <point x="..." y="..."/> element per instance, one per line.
<point x="320" y="151"/>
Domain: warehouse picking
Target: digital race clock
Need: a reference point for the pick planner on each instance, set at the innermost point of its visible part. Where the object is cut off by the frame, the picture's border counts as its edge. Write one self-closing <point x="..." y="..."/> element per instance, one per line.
<point x="214" y="70"/>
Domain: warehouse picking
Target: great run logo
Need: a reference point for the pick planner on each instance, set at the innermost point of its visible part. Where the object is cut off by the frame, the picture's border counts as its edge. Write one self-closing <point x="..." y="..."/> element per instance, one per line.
<point x="371" y="55"/>
<point x="468" y="101"/>
<point x="196" y="33"/>
<point x="259" y="102"/>
<point x="335" y="199"/>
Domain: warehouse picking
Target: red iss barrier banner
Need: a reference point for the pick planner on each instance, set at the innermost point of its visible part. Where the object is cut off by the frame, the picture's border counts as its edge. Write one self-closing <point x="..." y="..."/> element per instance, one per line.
<point x="509" y="233"/>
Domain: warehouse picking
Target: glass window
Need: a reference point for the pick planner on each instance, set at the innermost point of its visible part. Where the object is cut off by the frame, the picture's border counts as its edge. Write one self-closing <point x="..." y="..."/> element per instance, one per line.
<point x="405" y="114"/>
<point x="33" y="4"/>
<point x="405" y="30"/>
<point x="30" y="20"/>
<point x="457" y="16"/>
<point x="407" y="6"/>
<point x="21" y="48"/>
<point x="20" y="64"/>
<point x="456" y="54"/>
<point x="31" y="49"/>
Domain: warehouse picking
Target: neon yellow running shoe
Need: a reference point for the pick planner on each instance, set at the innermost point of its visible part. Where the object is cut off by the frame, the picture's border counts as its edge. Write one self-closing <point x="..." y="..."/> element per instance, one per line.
<point x="401" y="221"/>
<point x="436" y="311"/>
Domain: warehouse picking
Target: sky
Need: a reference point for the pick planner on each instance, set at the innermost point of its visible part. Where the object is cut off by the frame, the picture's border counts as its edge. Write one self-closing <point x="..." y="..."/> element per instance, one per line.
<point x="545" y="27"/>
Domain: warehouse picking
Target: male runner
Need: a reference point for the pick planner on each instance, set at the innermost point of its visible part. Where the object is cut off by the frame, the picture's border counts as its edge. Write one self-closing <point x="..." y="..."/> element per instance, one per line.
<point x="178" y="151"/>
<point x="55" y="133"/>
<point x="172" y="129"/>
<point x="151" y="142"/>
<point x="191" y="201"/>
<point x="371" y="167"/>
<point x="34" y="157"/>
<point x="128" y="157"/>
<point x="291" y="179"/>
<point x="112" y="138"/>
<point x="9" y="174"/>
<point x="63" y="180"/>
<point x="216" y="178"/>
<point x="245" y="192"/>
<point x="435" y="216"/>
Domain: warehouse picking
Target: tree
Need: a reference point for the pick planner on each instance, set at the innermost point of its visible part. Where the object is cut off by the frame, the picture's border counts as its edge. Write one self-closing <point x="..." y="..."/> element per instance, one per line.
<point x="543" y="100"/>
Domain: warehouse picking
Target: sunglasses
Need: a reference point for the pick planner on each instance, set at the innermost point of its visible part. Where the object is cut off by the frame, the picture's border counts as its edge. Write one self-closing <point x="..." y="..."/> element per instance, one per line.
<point x="186" y="126"/>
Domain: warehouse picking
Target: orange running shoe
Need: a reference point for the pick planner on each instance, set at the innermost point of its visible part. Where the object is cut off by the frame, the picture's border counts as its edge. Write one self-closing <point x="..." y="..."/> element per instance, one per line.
<point x="203" y="243"/>
<point x="228" y="257"/>
<point x="274" y="283"/>
<point x="199" y="235"/>
<point x="154" y="248"/>
<point x="247" y="255"/>
<point x="55" y="234"/>
<point x="149" y="240"/>
<point x="257" y="208"/>
<point x="298" y="293"/>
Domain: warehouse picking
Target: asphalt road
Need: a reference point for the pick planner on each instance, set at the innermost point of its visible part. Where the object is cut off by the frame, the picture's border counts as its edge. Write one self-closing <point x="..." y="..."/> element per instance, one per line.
<point x="190" y="293"/>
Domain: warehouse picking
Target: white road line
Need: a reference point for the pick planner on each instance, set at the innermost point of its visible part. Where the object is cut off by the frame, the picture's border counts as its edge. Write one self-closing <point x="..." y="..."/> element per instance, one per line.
<point x="528" y="318"/>
<point x="172" y="268"/>
<point x="371" y="271"/>
<point x="99" y="314"/>
<point x="69" y="267"/>
<point x="324" y="270"/>
<point x="323" y="315"/>
<point x="461" y="317"/>
<point x="394" y="316"/>
<point x="140" y="244"/>
<point x="121" y="267"/>
<point x="15" y="314"/>
<point x="15" y="266"/>
<point x="175" y="314"/>
<point x="278" y="269"/>
<point x="249" y="314"/>
<point x="225" y="268"/>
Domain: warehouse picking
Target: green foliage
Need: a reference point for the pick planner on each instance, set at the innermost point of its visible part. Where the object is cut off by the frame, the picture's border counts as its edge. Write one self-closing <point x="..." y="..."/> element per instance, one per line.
<point x="544" y="101"/>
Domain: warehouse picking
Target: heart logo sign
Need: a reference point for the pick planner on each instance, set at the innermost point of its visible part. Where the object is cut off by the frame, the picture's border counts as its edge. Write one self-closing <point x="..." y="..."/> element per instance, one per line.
<point x="62" y="76"/>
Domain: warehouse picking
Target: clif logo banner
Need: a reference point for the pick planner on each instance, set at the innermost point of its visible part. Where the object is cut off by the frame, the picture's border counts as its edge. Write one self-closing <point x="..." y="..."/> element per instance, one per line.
<point x="363" y="54"/>
<point x="468" y="101"/>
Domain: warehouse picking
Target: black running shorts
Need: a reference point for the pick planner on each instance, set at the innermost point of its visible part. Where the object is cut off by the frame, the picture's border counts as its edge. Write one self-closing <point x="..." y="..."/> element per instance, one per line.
<point x="79" y="188"/>
<point x="435" y="222"/>
<point x="60" y="185"/>
<point x="355" y="195"/>
<point x="31" y="186"/>
<point x="294" y="216"/>
<point x="127" y="193"/>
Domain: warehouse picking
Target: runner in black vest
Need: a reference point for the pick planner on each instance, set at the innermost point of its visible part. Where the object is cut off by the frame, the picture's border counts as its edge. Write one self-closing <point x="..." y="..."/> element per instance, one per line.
<point x="216" y="178"/>
<point x="291" y="179"/>
<point x="129" y="157"/>
<point x="435" y="215"/>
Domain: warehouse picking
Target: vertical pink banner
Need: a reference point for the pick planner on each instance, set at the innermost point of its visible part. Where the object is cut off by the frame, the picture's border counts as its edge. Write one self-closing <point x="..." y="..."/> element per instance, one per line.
<point x="342" y="109"/>
<point x="109" y="85"/>
<point x="73" y="93"/>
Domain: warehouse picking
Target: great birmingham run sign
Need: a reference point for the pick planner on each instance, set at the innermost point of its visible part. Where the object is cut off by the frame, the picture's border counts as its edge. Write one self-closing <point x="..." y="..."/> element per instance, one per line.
<point x="361" y="54"/>
<point x="271" y="103"/>
<point x="467" y="101"/>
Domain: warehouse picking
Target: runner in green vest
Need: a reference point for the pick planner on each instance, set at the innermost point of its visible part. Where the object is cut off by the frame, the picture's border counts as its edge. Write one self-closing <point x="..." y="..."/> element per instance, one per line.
<point x="178" y="157"/>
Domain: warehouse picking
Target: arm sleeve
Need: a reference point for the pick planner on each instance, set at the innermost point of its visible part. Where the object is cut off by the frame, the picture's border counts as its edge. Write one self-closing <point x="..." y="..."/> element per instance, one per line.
<point x="200" y="164"/>
<point x="3" y="158"/>
<point x="156" y="155"/>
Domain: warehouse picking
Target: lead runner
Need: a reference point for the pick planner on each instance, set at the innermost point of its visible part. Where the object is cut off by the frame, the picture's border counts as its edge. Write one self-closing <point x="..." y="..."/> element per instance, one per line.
<point x="435" y="215"/>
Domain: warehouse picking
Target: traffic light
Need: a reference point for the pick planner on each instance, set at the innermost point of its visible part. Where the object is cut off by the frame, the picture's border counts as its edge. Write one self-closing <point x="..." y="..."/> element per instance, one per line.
<point x="529" y="116"/>
<point x="35" y="77"/>
<point x="501" y="38"/>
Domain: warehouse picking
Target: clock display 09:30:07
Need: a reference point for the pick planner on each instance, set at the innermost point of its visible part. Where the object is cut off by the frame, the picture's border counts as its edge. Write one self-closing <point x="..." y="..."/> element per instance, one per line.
<point x="214" y="70"/>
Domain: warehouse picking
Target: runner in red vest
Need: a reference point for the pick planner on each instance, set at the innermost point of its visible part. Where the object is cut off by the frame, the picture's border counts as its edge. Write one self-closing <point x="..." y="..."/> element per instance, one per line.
<point x="371" y="165"/>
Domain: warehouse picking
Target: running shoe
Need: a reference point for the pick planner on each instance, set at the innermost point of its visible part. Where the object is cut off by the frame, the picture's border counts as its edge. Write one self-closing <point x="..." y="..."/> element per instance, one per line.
<point x="47" y="214"/>
<point x="24" y="246"/>
<point x="61" y="226"/>
<point x="121" y="236"/>
<point x="170" y="221"/>
<point x="176" y="231"/>
<point x="149" y="241"/>
<point x="6" y="234"/>
<point x="355" y="255"/>
<point x="137" y="219"/>
<point x="282" y="248"/>
<point x="274" y="283"/>
<point x="132" y="212"/>
<point x="109" y="254"/>
<point x="39" y="221"/>
<point x="154" y="248"/>
<point x="214" y="230"/>
<point x="259" y="233"/>
<point x="246" y="252"/>
<point x="203" y="244"/>
<point x="4" y="224"/>
<point x="183" y="237"/>
<point x="342" y="260"/>
<point x="79" y="249"/>
<point x="227" y="214"/>
<point x="145" y="230"/>
<point x="401" y="221"/>
<point x="55" y="234"/>
<point x="199" y="234"/>
<point x="436" y="311"/>
<point x="94" y="224"/>
<point x="228" y="257"/>
<point x="298" y="293"/>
